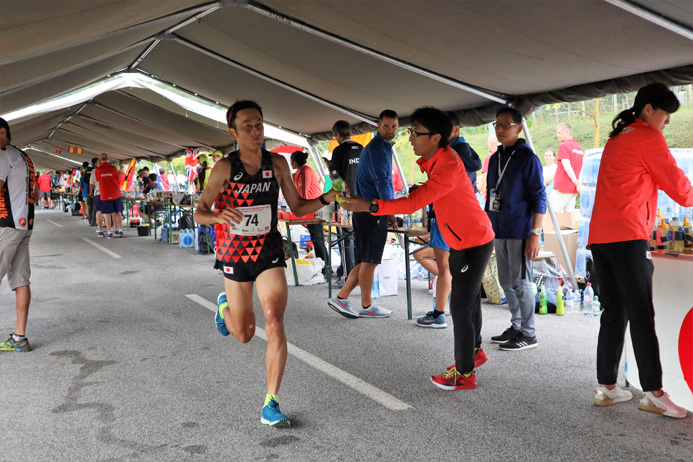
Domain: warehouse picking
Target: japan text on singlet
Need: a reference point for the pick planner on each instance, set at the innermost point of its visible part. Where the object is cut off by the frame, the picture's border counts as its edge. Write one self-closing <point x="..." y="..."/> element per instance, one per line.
<point x="256" y="196"/>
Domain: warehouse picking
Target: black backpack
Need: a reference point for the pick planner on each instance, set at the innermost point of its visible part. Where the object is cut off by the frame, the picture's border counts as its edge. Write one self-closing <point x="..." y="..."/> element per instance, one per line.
<point x="206" y="242"/>
<point x="76" y="208"/>
<point x="186" y="221"/>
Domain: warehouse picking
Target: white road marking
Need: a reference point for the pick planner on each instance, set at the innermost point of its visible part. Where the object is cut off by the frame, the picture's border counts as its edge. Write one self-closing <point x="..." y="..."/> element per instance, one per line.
<point x="102" y="248"/>
<point x="56" y="224"/>
<point x="366" y="389"/>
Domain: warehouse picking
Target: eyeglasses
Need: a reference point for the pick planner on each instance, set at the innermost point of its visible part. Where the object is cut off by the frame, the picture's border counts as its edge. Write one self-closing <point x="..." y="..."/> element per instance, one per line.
<point x="504" y="125"/>
<point x="417" y="134"/>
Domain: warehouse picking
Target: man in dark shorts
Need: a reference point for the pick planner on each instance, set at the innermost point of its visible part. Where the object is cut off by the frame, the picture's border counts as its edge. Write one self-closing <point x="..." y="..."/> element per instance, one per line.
<point x="344" y="164"/>
<point x="373" y="181"/>
<point x="244" y="188"/>
<point x="110" y="200"/>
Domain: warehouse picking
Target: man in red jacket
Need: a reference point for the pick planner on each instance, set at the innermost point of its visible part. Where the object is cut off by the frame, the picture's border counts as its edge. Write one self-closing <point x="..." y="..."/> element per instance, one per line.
<point x="465" y="227"/>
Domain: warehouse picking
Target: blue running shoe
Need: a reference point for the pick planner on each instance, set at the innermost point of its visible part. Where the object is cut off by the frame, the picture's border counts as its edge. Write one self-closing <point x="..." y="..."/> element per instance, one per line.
<point x="342" y="307"/>
<point x="272" y="416"/>
<point x="221" y="324"/>
<point x="437" y="322"/>
<point x="374" y="312"/>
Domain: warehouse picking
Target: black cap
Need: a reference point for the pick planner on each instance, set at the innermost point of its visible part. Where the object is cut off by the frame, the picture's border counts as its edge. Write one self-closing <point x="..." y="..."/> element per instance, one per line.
<point x="6" y="126"/>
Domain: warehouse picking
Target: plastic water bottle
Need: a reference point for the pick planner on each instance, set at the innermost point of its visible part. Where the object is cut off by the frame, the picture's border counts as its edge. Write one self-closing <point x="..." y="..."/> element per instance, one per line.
<point x="375" y="290"/>
<point x="588" y="300"/>
<point x="560" y="302"/>
<point x="569" y="305"/>
<point x="543" y="308"/>
<point x="434" y="303"/>
<point x="596" y="307"/>
<point x="406" y="221"/>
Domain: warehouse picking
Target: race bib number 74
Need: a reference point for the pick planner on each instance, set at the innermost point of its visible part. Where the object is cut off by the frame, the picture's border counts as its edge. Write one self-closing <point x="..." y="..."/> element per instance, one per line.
<point x="257" y="220"/>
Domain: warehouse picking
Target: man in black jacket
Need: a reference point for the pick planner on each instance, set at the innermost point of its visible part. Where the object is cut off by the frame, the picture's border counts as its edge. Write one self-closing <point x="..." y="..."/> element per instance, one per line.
<point x="345" y="161"/>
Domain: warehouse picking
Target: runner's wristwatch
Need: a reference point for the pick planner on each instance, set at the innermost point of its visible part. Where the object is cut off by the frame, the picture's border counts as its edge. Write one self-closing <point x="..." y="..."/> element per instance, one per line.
<point x="536" y="231"/>
<point x="373" y="208"/>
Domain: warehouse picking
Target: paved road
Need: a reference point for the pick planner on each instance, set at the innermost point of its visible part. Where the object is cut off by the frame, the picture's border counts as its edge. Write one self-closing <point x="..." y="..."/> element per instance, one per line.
<point x="127" y="366"/>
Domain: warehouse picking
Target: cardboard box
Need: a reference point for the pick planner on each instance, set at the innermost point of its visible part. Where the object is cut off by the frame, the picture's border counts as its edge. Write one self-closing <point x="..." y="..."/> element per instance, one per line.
<point x="175" y="235"/>
<point x="566" y="220"/>
<point x="570" y="240"/>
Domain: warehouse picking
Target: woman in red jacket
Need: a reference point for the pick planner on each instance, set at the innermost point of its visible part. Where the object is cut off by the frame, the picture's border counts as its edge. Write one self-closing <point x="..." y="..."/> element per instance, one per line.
<point x="309" y="187"/>
<point x="465" y="227"/>
<point x="636" y="162"/>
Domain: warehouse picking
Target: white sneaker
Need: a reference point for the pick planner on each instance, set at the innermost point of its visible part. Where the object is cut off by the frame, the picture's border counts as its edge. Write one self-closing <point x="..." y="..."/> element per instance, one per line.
<point x="433" y="284"/>
<point x="661" y="405"/>
<point x="606" y="397"/>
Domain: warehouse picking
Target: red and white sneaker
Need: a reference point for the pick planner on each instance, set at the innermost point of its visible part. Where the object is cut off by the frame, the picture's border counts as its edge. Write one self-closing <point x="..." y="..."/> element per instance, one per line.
<point x="453" y="380"/>
<point x="480" y="358"/>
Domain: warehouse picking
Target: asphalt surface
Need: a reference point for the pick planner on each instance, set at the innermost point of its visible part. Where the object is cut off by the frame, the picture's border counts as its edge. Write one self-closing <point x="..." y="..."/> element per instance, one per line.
<point x="127" y="367"/>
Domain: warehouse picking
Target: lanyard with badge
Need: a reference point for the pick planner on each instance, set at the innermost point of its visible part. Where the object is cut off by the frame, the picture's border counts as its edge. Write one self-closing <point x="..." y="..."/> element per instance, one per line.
<point x="495" y="194"/>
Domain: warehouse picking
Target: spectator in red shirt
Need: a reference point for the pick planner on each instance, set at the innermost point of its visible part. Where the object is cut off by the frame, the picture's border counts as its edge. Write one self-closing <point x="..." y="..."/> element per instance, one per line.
<point x="492" y="144"/>
<point x="635" y="164"/>
<point x="566" y="180"/>
<point x="397" y="182"/>
<point x="44" y="183"/>
<point x="309" y="187"/>
<point x="111" y="202"/>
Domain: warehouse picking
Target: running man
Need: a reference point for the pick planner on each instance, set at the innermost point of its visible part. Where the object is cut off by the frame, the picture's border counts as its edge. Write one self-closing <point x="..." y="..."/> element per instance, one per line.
<point x="244" y="187"/>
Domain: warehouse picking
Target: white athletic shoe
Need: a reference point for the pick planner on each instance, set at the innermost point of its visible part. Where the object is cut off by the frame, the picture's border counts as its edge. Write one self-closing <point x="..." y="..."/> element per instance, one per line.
<point x="606" y="397"/>
<point x="661" y="405"/>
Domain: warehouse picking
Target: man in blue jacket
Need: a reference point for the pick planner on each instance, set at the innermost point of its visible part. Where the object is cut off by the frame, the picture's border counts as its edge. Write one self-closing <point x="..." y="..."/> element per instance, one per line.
<point x="373" y="181"/>
<point x="515" y="203"/>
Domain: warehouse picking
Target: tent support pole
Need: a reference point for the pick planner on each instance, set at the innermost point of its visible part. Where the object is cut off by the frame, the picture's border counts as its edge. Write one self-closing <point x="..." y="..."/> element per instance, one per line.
<point x="652" y="17"/>
<point x="180" y="25"/>
<point x="559" y="236"/>
<point x="113" y="34"/>
<point x="272" y="80"/>
<point x="269" y="13"/>
<point x="317" y="161"/>
<point x="77" y="66"/>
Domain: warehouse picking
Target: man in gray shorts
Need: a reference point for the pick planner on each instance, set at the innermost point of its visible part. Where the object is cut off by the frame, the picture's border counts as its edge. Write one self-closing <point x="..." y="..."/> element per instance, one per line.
<point x="18" y="194"/>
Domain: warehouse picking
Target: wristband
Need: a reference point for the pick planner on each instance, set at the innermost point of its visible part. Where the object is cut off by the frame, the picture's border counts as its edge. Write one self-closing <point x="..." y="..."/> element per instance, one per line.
<point x="322" y="200"/>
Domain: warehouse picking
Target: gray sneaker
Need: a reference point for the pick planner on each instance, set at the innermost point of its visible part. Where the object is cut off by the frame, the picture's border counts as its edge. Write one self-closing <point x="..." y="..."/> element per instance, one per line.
<point x="374" y="312"/>
<point x="342" y="307"/>
<point x="436" y="322"/>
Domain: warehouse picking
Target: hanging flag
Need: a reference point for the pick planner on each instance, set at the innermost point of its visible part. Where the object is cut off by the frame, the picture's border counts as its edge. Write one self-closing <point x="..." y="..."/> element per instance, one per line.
<point x="70" y="148"/>
<point x="74" y="149"/>
<point x="58" y="151"/>
<point x="78" y="149"/>
<point x="129" y="175"/>
<point x="191" y="163"/>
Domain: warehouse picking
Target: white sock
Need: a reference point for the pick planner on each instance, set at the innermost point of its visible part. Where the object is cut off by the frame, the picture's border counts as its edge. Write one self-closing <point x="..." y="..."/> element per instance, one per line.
<point x="17" y="338"/>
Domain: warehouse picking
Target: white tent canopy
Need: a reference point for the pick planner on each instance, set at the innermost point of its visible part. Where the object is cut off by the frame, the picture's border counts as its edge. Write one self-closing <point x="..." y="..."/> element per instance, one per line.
<point x="312" y="62"/>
